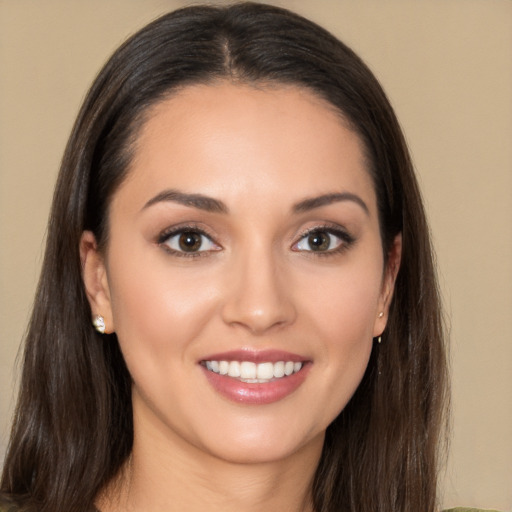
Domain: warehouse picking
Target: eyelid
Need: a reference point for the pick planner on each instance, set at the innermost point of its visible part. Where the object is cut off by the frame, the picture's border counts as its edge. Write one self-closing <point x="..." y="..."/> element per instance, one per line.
<point x="173" y="231"/>
<point x="346" y="238"/>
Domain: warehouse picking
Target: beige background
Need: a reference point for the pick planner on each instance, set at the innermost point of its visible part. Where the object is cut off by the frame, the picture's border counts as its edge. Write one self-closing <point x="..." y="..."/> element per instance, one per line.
<point x="446" y="65"/>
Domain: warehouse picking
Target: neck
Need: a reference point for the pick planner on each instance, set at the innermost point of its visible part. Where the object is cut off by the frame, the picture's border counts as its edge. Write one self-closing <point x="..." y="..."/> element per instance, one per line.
<point x="186" y="478"/>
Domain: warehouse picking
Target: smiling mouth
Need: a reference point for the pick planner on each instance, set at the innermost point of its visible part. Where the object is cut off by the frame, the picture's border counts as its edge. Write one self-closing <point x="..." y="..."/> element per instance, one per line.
<point x="254" y="373"/>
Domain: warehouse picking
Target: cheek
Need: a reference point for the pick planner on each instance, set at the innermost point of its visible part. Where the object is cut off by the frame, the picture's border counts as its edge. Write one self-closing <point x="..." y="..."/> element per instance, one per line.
<point x="158" y="309"/>
<point x="341" y="315"/>
<point x="345" y="305"/>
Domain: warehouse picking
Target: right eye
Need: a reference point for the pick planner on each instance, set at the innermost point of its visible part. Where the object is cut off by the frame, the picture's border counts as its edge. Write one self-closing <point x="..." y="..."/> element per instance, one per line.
<point x="188" y="242"/>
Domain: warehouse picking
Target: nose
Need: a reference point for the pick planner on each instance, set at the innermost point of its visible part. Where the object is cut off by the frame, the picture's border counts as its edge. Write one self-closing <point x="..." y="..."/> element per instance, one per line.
<point x="260" y="295"/>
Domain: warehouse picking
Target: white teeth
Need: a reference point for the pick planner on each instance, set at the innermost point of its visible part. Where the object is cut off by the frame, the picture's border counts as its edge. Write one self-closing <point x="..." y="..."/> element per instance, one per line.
<point x="234" y="369"/>
<point x="279" y="369"/>
<point x="223" y="367"/>
<point x="247" y="371"/>
<point x="265" y="371"/>
<point x="288" y="367"/>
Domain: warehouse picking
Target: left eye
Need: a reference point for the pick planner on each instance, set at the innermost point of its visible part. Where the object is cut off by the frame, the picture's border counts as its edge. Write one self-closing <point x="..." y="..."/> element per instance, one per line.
<point x="319" y="241"/>
<point x="189" y="242"/>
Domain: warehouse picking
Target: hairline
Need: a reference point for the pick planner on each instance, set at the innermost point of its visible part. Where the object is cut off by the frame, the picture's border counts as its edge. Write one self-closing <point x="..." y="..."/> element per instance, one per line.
<point x="146" y="113"/>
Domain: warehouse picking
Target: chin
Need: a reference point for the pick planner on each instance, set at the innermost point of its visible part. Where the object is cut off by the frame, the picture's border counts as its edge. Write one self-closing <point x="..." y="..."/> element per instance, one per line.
<point x="261" y="443"/>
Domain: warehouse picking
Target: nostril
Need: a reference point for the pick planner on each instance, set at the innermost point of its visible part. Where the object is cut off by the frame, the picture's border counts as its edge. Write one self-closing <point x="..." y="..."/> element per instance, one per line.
<point x="258" y="319"/>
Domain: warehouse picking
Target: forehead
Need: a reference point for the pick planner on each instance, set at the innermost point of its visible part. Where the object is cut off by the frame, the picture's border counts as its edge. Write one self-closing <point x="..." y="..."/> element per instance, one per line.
<point x="225" y="139"/>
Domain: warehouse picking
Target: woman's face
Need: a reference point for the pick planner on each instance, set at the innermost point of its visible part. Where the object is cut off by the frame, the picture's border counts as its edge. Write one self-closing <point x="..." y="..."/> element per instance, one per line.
<point x="244" y="240"/>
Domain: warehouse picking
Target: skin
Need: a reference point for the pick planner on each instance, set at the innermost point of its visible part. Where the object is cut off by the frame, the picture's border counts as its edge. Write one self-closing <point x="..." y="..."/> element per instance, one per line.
<point x="256" y="285"/>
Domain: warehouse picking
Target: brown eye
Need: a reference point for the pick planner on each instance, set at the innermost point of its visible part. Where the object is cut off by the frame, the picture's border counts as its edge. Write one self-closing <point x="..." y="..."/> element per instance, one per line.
<point x="190" y="241"/>
<point x="319" y="241"/>
<point x="324" y="240"/>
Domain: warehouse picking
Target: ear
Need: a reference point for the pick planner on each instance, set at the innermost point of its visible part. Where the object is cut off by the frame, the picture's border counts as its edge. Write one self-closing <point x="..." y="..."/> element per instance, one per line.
<point x="94" y="275"/>
<point x="388" y="285"/>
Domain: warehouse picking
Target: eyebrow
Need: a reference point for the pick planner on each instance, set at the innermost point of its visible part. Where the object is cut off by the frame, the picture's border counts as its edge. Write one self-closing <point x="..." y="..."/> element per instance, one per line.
<point x="193" y="200"/>
<point x="326" y="199"/>
<point x="210" y="204"/>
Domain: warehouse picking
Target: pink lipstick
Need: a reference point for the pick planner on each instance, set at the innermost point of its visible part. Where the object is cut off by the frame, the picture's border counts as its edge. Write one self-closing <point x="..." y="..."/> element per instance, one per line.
<point x="255" y="377"/>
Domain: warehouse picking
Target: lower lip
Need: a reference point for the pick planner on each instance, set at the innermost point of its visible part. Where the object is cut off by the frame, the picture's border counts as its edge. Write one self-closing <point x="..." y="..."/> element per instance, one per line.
<point x="256" y="393"/>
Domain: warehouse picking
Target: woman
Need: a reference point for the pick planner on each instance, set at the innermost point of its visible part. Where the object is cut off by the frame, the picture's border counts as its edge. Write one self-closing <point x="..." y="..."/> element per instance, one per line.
<point x="200" y="337"/>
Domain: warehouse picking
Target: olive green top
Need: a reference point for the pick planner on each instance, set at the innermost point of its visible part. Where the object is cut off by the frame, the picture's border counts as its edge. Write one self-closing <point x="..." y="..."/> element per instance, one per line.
<point x="465" y="509"/>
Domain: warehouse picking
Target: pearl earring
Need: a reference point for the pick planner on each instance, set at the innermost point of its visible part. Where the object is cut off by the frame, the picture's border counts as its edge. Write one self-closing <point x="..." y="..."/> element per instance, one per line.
<point x="99" y="324"/>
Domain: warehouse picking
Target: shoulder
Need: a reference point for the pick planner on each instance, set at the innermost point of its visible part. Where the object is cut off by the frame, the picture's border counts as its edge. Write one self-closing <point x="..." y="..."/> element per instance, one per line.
<point x="10" y="505"/>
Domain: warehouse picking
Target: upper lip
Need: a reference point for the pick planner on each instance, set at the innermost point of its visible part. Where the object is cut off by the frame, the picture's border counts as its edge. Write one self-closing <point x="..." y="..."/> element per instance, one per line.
<point x="256" y="356"/>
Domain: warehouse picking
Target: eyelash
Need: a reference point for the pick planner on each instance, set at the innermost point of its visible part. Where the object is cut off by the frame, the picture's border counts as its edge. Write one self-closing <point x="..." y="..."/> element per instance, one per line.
<point x="346" y="240"/>
<point x="166" y="235"/>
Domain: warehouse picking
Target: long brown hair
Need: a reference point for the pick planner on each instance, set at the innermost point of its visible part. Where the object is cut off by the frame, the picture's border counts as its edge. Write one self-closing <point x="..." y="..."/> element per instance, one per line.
<point x="73" y="425"/>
